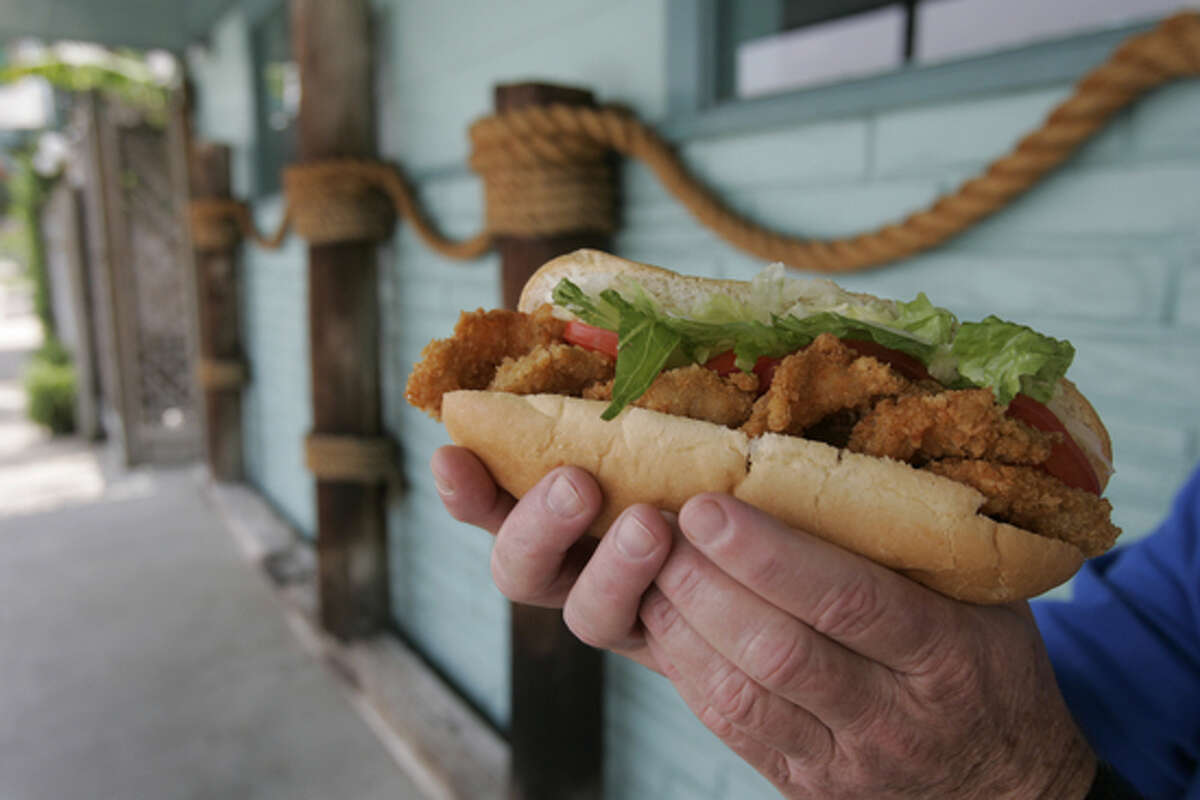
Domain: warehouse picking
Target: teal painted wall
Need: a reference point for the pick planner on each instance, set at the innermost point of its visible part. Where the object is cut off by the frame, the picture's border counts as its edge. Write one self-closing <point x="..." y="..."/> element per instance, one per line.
<point x="1105" y="253"/>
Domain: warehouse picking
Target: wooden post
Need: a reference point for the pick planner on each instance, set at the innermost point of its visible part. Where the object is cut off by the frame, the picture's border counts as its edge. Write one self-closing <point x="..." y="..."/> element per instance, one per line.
<point x="331" y="43"/>
<point x="219" y="318"/>
<point x="557" y="731"/>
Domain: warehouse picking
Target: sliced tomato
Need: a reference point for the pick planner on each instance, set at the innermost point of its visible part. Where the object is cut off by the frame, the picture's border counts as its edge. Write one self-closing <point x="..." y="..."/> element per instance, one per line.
<point x="722" y="364"/>
<point x="903" y="363"/>
<point x="726" y="362"/>
<point x="1067" y="461"/>
<point x="591" y="337"/>
<point x="764" y="368"/>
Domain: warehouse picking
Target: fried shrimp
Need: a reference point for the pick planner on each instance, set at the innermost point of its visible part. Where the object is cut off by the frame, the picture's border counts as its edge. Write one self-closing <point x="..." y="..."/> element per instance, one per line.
<point x="552" y="369"/>
<point x="824" y="378"/>
<point x="952" y="424"/>
<point x="469" y="359"/>
<point x="1030" y="498"/>
<point x="695" y="392"/>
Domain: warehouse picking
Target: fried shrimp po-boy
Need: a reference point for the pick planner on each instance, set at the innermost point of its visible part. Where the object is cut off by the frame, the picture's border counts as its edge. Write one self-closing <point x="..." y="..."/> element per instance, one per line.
<point x="955" y="452"/>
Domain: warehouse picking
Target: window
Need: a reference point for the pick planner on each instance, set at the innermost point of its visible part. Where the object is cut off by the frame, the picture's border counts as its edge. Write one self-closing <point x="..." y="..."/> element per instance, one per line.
<point x="277" y="97"/>
<point x="772" y="46"/>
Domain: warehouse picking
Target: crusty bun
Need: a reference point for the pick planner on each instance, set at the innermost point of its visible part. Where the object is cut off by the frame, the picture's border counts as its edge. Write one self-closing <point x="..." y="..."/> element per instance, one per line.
<point x="1084" y="425"/>
<point x="593" y="270"/>
<point x="922" y="524"/>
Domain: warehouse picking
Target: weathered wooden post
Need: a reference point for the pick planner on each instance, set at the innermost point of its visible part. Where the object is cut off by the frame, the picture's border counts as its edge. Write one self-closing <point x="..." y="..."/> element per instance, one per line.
<point x="556" y="732"/>
<point x="332" y="45"/>
<point x="216" y="262"/>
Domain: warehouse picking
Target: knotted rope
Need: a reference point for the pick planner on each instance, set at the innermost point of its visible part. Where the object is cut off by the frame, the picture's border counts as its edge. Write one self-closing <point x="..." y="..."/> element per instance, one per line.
<point x="545" y="170"/>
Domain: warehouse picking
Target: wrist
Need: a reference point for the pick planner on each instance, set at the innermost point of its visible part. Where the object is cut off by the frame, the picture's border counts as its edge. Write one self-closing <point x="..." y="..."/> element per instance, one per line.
<point x="1072" y="777"/>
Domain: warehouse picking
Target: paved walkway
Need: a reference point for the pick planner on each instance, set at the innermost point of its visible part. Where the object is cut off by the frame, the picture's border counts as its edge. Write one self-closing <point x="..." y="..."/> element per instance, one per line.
<point x="140" y="655"/>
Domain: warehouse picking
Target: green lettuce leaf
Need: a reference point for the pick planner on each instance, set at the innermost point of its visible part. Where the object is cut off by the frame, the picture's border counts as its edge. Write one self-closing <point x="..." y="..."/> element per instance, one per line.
<point x="593" y="311"/>
<point x="644" y="345"/>
<point x="814" y="325"/>
<point x="1011" y="358"/>
<point x="1007" y="357"/>
<point x="926" y="321"/>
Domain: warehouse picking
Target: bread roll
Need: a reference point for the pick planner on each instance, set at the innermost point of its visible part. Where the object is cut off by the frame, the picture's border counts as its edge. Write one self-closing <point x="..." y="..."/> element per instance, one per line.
<point x="921" y="524"/>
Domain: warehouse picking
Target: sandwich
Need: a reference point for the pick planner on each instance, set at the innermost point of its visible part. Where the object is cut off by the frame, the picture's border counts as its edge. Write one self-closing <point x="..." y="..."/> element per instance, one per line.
<point x="956" y="453"/>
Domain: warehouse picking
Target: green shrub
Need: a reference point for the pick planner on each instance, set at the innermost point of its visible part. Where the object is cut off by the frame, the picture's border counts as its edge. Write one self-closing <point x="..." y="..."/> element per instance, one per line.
<point x="50" y="392"/>
<point x="53" y="352"/>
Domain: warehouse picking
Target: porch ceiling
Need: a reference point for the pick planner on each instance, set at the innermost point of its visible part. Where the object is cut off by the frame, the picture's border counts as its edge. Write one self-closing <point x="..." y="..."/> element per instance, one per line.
<point x="167" y="24"/>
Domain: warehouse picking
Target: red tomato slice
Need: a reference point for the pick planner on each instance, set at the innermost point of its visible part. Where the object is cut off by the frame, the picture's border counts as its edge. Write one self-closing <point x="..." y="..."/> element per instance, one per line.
<point x="591" y="337"/>
<point x="722" y="364"/>
<point x="903" y="363"/>
<point x="764" y="368"/>
<point x="1067" y="461"/>
<point x="726" y="362"/>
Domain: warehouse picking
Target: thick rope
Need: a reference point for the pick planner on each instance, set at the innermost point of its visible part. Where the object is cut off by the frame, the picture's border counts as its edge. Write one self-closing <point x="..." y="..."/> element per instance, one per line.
<point x="545" y="170"/>
<point x="218" y="223"/>
<point x="356" y="459"/>
<point x="562" y="134"/>
<point x="220" y="375"/>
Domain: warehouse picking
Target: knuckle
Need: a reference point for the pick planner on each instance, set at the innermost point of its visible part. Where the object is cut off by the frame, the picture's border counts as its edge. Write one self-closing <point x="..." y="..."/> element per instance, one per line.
<point x="659" y="615"/>
<point x="778" y="661"/>
<point x="767" y="571"/>
<point x="739" y="699"/>
<point x="849" y="611"/>
<point x="680" y="578"/>
<point x="716" y="722"/>
<point x="781" y="772"/>
<point x="953" y="679"/>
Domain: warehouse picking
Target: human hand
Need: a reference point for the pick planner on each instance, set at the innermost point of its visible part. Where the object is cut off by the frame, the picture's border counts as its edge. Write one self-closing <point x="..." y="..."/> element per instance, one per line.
<point x="835" y="677"/>
<point x="543" y="555"/>
<point x="830" y="675"/>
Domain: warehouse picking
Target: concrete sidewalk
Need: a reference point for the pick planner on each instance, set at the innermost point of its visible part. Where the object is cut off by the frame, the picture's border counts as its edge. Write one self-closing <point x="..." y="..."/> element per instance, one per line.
<point x="141" y="656"/>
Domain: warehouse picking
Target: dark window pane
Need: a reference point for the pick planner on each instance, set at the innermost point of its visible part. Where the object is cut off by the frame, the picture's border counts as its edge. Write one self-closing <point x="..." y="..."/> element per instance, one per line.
<point x="277" y="98"/>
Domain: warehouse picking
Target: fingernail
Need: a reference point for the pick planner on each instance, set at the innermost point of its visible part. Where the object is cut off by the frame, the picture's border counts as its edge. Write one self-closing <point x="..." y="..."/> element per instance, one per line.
<point x="634" y="539"/>
<point x="562" y="499"/>
<point x="444" y="486"/>
<point x="704" y="521"/>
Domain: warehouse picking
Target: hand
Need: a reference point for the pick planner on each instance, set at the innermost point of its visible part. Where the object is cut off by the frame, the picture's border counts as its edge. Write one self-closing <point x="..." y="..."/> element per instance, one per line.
<point x="832" y="676"/>
<point x="835" y="677"/>
<point x="543" y="555"/>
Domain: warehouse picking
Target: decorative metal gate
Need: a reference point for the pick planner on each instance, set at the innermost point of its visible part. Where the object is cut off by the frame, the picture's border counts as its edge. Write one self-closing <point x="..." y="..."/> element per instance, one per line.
<point x="142" y="273"/>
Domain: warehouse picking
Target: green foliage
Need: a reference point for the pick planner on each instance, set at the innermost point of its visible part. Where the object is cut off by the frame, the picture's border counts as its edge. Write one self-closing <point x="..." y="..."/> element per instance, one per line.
<point x="29" y="192"/>
<point x="53" y="352"/>
<point x="50" y="388"/>
<point x="128" y="79"/>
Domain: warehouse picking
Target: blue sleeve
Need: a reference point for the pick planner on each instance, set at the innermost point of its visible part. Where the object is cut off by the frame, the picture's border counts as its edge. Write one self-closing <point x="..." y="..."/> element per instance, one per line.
<point x="1126" y="651"/>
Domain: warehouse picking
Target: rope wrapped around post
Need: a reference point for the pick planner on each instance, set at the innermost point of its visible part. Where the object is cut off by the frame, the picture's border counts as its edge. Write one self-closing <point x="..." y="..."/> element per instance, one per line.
<point x="217" y="224"/>
<point x="216" y="375"/>
<point x="355" y="459"/>
<point x="545" y="170"/>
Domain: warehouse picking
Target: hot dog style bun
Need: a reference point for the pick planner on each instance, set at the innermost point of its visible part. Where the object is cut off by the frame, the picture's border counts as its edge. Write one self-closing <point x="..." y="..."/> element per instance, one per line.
<point x="956" y="522"/>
